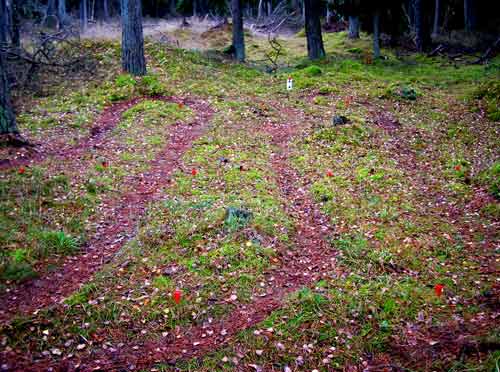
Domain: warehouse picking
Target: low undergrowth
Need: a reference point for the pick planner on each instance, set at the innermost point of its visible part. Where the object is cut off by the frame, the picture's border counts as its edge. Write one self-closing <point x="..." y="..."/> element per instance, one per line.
<point x="409" y="181"/>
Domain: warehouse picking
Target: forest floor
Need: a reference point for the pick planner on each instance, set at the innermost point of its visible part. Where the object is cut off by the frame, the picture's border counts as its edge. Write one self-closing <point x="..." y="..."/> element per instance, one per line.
<point x="204" y="218"/>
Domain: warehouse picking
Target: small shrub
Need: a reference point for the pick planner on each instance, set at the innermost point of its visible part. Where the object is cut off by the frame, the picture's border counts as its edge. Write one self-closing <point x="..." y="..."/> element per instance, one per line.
<point x="491" y="179"/>
<point x="326" y="90"/>
<point x="58" y="242"/>
<point x="236" y="218"/>
<point x="125" y="80"/>
<point x="18" y="271"/>
<point x="313" y="71"/>
<point x="490" y="93"/>
<point x="151" y="86"/>
<point x="405" y="92"/>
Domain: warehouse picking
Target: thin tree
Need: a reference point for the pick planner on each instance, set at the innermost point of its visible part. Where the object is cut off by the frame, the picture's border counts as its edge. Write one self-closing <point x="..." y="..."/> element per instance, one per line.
<point x="435" y="27"/>
<point x="7" y="118"/>
<point x="315" y="48"/>
<point x="16" y="24"/>
<point x="352" y="8"/>
<point x="238" y="35"/>
<point x="422" y="27"/>
<point x="61" y="12"/>
<point x="83" y="15"/>
<point x="353" y="27"/>
<point x="105" y="10"/>
<point x="133" y="60"/>
<point x="376" y="34"/>
<point x="469" y="15"/>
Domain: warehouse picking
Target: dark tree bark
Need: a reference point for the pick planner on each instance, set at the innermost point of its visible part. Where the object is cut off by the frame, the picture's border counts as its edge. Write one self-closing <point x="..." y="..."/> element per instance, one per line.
<point x="315" y="48"/>
<point x="7" y="117"/>
<point x="16" y="25"/>
<point x="376" y="34"/>
<point x="83" y="15"/>
<point x="469" y="15"/>
<point x="435" y="26"/>
<point x="133" y="60"/>
<point x="422" y="28"/>
<point x="51" y="17"/>
<point x="173" y="9"/>
<point x="353" y="27"/>
<point x="105" y="10"/>
<point x="329" y="13"/>
<point x="238" y="35"/>
<point x="61" y="13"/>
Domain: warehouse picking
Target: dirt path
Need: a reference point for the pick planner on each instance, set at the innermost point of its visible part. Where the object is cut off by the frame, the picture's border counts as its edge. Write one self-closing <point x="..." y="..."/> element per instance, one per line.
<point x="311" y="259"/>
<point x="119" y="216"/>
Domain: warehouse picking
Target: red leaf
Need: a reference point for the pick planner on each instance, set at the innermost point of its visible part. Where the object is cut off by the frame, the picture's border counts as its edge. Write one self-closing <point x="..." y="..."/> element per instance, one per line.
<point x="438" y="289"/>
<point x="21" y="170"/>
<point x="194" y="172"/>
<point x="177" y="296"/>
<point x="329" y="173"/>
<point x="458" y="168"/>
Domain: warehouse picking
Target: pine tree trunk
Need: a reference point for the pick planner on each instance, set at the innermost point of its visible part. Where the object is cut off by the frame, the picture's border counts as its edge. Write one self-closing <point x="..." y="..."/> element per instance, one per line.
<point x="422" y="24"/>
<point x="329" y="13"/>
<point x="269" y="8"/>
<point x="51" y="17"/>
<point x="105" y="9"/>
<point x="376" y="34"/>
<point x="419" y="26"/>
<point x="7" y="117"/>
<point x="133" y="60"/>
<point x="173" y="9"/>
<point x="61" y="12"/>
<point x="353" y="27"/>
<point x="238" y="35"/>
<point x="469" y="15"/>
<point x="435" y="27"/>
<point x="83" y="15"/>
<point x="260" y="11"/>
<point x="16" y="25"/>
<point x="315" y="48"/>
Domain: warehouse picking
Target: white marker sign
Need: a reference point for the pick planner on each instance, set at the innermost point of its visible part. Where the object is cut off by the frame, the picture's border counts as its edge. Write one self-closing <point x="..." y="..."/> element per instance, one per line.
<point x="289" y="84"/>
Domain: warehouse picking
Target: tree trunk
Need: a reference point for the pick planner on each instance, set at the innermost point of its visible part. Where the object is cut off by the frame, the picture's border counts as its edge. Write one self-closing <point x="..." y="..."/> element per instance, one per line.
<point x="469" y="15"/>
<point x="353" y="27"/>
<point x="7" y="117"/>
<point x="435" y="26"/>
<point x="15" y="35"/>
<point x="83" y="15"/>
<point x="173" y="9"/>
<point x="376" y="34"/>
<point x="329" y="13"/>
<point x="61" y="12"/>
<point x="238" y="35"/>
<point x="315" y="48"/>
<point x="51" y="16"/>
<point x="269" y="8"/>
<point x="133" y="60"/>
<point x="105" y="10"/>
<point x="421" y="27"/>
<point x="260" y="11"/>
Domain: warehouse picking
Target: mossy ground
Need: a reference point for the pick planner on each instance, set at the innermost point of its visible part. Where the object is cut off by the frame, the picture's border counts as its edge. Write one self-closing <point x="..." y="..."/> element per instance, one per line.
<point x="412" y="206"/>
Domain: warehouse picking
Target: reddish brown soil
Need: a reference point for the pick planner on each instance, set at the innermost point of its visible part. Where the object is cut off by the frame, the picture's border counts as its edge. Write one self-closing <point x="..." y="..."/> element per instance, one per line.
<point x="119" y="216"/>
<point x="311" y="259"/>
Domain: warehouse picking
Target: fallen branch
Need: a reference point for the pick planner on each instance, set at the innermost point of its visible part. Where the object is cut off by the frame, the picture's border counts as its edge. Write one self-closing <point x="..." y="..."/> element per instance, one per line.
<point x="488" y="53"/>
